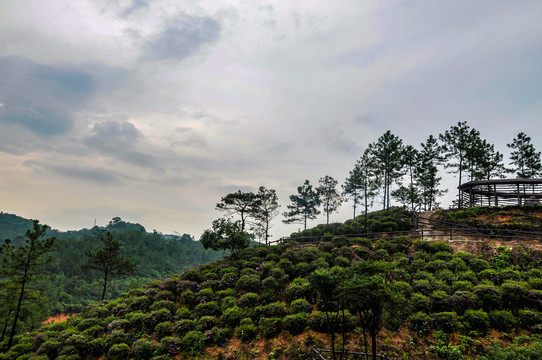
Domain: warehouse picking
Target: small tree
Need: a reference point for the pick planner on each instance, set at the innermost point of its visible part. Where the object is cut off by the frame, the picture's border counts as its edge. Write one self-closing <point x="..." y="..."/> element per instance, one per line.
<point x="362" y="183"/>
<point x="264" y="209"/>
<point x="458" y="144"/>
<point x="225" y="235"/>
<point x="108" y="261"/>
<point x="524" y="157"/>
<point x="367" y="297"/>
<point x="23" y="265"/>
<point x="388" y="151"/>
<point x="410" y="194"/>
<point x="304" y="205"/>
<point x="240" y="203"/>
<point x="429" y="159"/>
<point x="330" y="198"/>
<point x="327" y="283"/>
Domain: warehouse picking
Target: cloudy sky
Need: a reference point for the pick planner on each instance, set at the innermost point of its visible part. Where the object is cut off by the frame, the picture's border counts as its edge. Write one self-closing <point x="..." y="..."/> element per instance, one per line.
<point x="152" y="110"/>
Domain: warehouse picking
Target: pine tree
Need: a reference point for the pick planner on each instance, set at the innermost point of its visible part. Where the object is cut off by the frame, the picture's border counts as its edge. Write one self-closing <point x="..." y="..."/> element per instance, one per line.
<point x="240" y="203"/>
<point x="429" y="159"/>
<point x="388" y="151"/>
<point x="23" y="265"/>
<point x="264" y="209"/>
<point x="304" y="205"/>
<point x="458" y="144"/>
<point x="363" y="183"/>
<point x="524" y="157"/>
<point x="108" y="260"/>
<point x="330" y="198"/>
<point x="409" y="194"/>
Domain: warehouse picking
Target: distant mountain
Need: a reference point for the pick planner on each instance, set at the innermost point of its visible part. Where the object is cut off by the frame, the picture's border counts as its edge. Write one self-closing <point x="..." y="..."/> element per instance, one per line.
<point x="68" y="288"/>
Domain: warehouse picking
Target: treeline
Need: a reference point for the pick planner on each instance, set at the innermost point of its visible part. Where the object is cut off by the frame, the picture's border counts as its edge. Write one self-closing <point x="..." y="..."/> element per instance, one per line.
<point x="60" y="284"/>
<point x="387" y="170"/>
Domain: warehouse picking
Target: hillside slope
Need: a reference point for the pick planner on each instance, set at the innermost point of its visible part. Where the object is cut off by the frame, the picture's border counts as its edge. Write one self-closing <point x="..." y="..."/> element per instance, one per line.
<point x="270" y="304"/>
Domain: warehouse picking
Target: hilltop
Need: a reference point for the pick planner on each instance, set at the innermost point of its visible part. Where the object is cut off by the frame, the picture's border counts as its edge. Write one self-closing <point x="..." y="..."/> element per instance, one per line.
<point x="274" y="303"/>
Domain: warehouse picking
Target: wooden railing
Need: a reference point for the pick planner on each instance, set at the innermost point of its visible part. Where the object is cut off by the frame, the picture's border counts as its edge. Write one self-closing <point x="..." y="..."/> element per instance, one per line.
<point x="318" y="354"/>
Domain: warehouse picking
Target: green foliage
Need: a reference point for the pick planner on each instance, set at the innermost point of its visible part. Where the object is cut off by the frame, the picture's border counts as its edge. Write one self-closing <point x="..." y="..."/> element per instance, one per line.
<point x="119" y="351"/>
<point x="231" y="317"/>
<point x="420" y="322"/>
<point x="476" y="320"/>
<point x="246" y="331"/>
<point x="502" y="320"/>
<point x="295" y="323"/>
<point x="271" y="327"/>
<point x="445" y="321"/>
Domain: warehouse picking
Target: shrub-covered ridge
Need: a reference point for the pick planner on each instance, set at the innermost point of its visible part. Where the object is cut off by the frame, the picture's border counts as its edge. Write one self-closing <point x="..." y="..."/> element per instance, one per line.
<point x="268" y="304"/>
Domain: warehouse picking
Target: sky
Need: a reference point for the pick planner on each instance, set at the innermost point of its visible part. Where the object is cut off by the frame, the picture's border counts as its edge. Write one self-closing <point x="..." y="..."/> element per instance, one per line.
<point x="154" y="110"/>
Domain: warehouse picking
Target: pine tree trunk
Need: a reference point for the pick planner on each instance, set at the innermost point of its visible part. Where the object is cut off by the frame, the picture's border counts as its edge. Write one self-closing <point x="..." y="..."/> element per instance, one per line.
<point x="105" y="285"/>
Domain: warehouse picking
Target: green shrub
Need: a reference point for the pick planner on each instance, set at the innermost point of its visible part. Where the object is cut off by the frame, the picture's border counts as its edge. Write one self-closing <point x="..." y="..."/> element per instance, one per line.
<point x="163" y="329"/>
<point x="420" y="303"/>
<point x="529" y="318"/>
<point x="246" y="331"/>
<point x="159" y="316"/>
<point x="420" y="322"/>
<point x="193" y="342"/>
<point x="440" y="301"/>
<point x="206" y="323"/>
<point x="502" y="320"/>
<point x="489" y="297"/>
<point x="270" y="283"/>
<point x="188" y="298"/>
<point x="231" y="317"/>
<point x="248" y="283"/>
<point x="119" y="351"/>
<point x="300" y="288"/>
<point x="477" y="320"/>
<point x="228" y="302"/>
<point x="463" y="300"/>
<point x="299" y="305"/>
<point x="534" y="299"/>
<point x="271" y="327"/>
<point x="184" y="313"/>
<point x="94" y="331"/>
<point x="445" y="321"/>
<point x="143" y="349"/>
<point x="249" y="300"/>
<point x="208" y="309"/>
<point x="164" y="295"/>
<point x="50" y="348"/>
<point x="462" y="286"/>
<point x="295" y="324"/>
<point x="276" y="309"/>
<point x="88" y="323"/>
<point x="183" y="326"/>
<point x="170" y="345"/>
<point x="514" y="295"/>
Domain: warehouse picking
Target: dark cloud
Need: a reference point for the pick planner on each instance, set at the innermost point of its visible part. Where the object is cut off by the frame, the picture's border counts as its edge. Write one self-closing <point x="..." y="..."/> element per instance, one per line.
<point x="40" y="97"/>
<point x="184" y="37"/>
<point x="43" y="98"/>
<point x="120" y="140"/>
<point x="101" y="176"/>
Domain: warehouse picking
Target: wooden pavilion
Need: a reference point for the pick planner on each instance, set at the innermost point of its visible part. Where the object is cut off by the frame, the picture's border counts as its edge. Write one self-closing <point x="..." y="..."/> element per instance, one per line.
<point x="500" y="192"/>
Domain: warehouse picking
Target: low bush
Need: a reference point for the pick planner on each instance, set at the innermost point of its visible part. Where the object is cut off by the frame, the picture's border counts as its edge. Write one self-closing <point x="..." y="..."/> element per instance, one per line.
<point x="231" y="317"/>
<point x="246" y="331"/>
<point x="420" y="322"/>
<point x="248" y="300"/>
<point x="163" y="329"/>
<point x="181" y="327"/>
<point x="208" y="309"/>
<point x="476" y="320"/>
<point x="502" y="320"/>
<point x="193" y="342"/>
<point x="295" y="324"/>
<point x="298" y="306"/>
<point x="271" y="327"/>
<point x="445" y="321"/>
<point x="119" y="351"/>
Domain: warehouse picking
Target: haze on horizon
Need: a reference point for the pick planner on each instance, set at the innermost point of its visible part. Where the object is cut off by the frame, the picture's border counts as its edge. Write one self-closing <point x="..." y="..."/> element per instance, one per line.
<point x="153" y="110"/>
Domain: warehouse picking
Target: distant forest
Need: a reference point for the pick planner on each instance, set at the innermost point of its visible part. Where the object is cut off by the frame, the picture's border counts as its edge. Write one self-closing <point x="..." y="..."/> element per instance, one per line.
<point x="67" y="288"/>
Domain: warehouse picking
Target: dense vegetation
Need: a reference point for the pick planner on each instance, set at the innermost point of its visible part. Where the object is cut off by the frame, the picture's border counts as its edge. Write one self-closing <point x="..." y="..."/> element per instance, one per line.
<point x="522" y="218"/>
<point x="67" y="288"/>
<point x="269" y="303"/>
